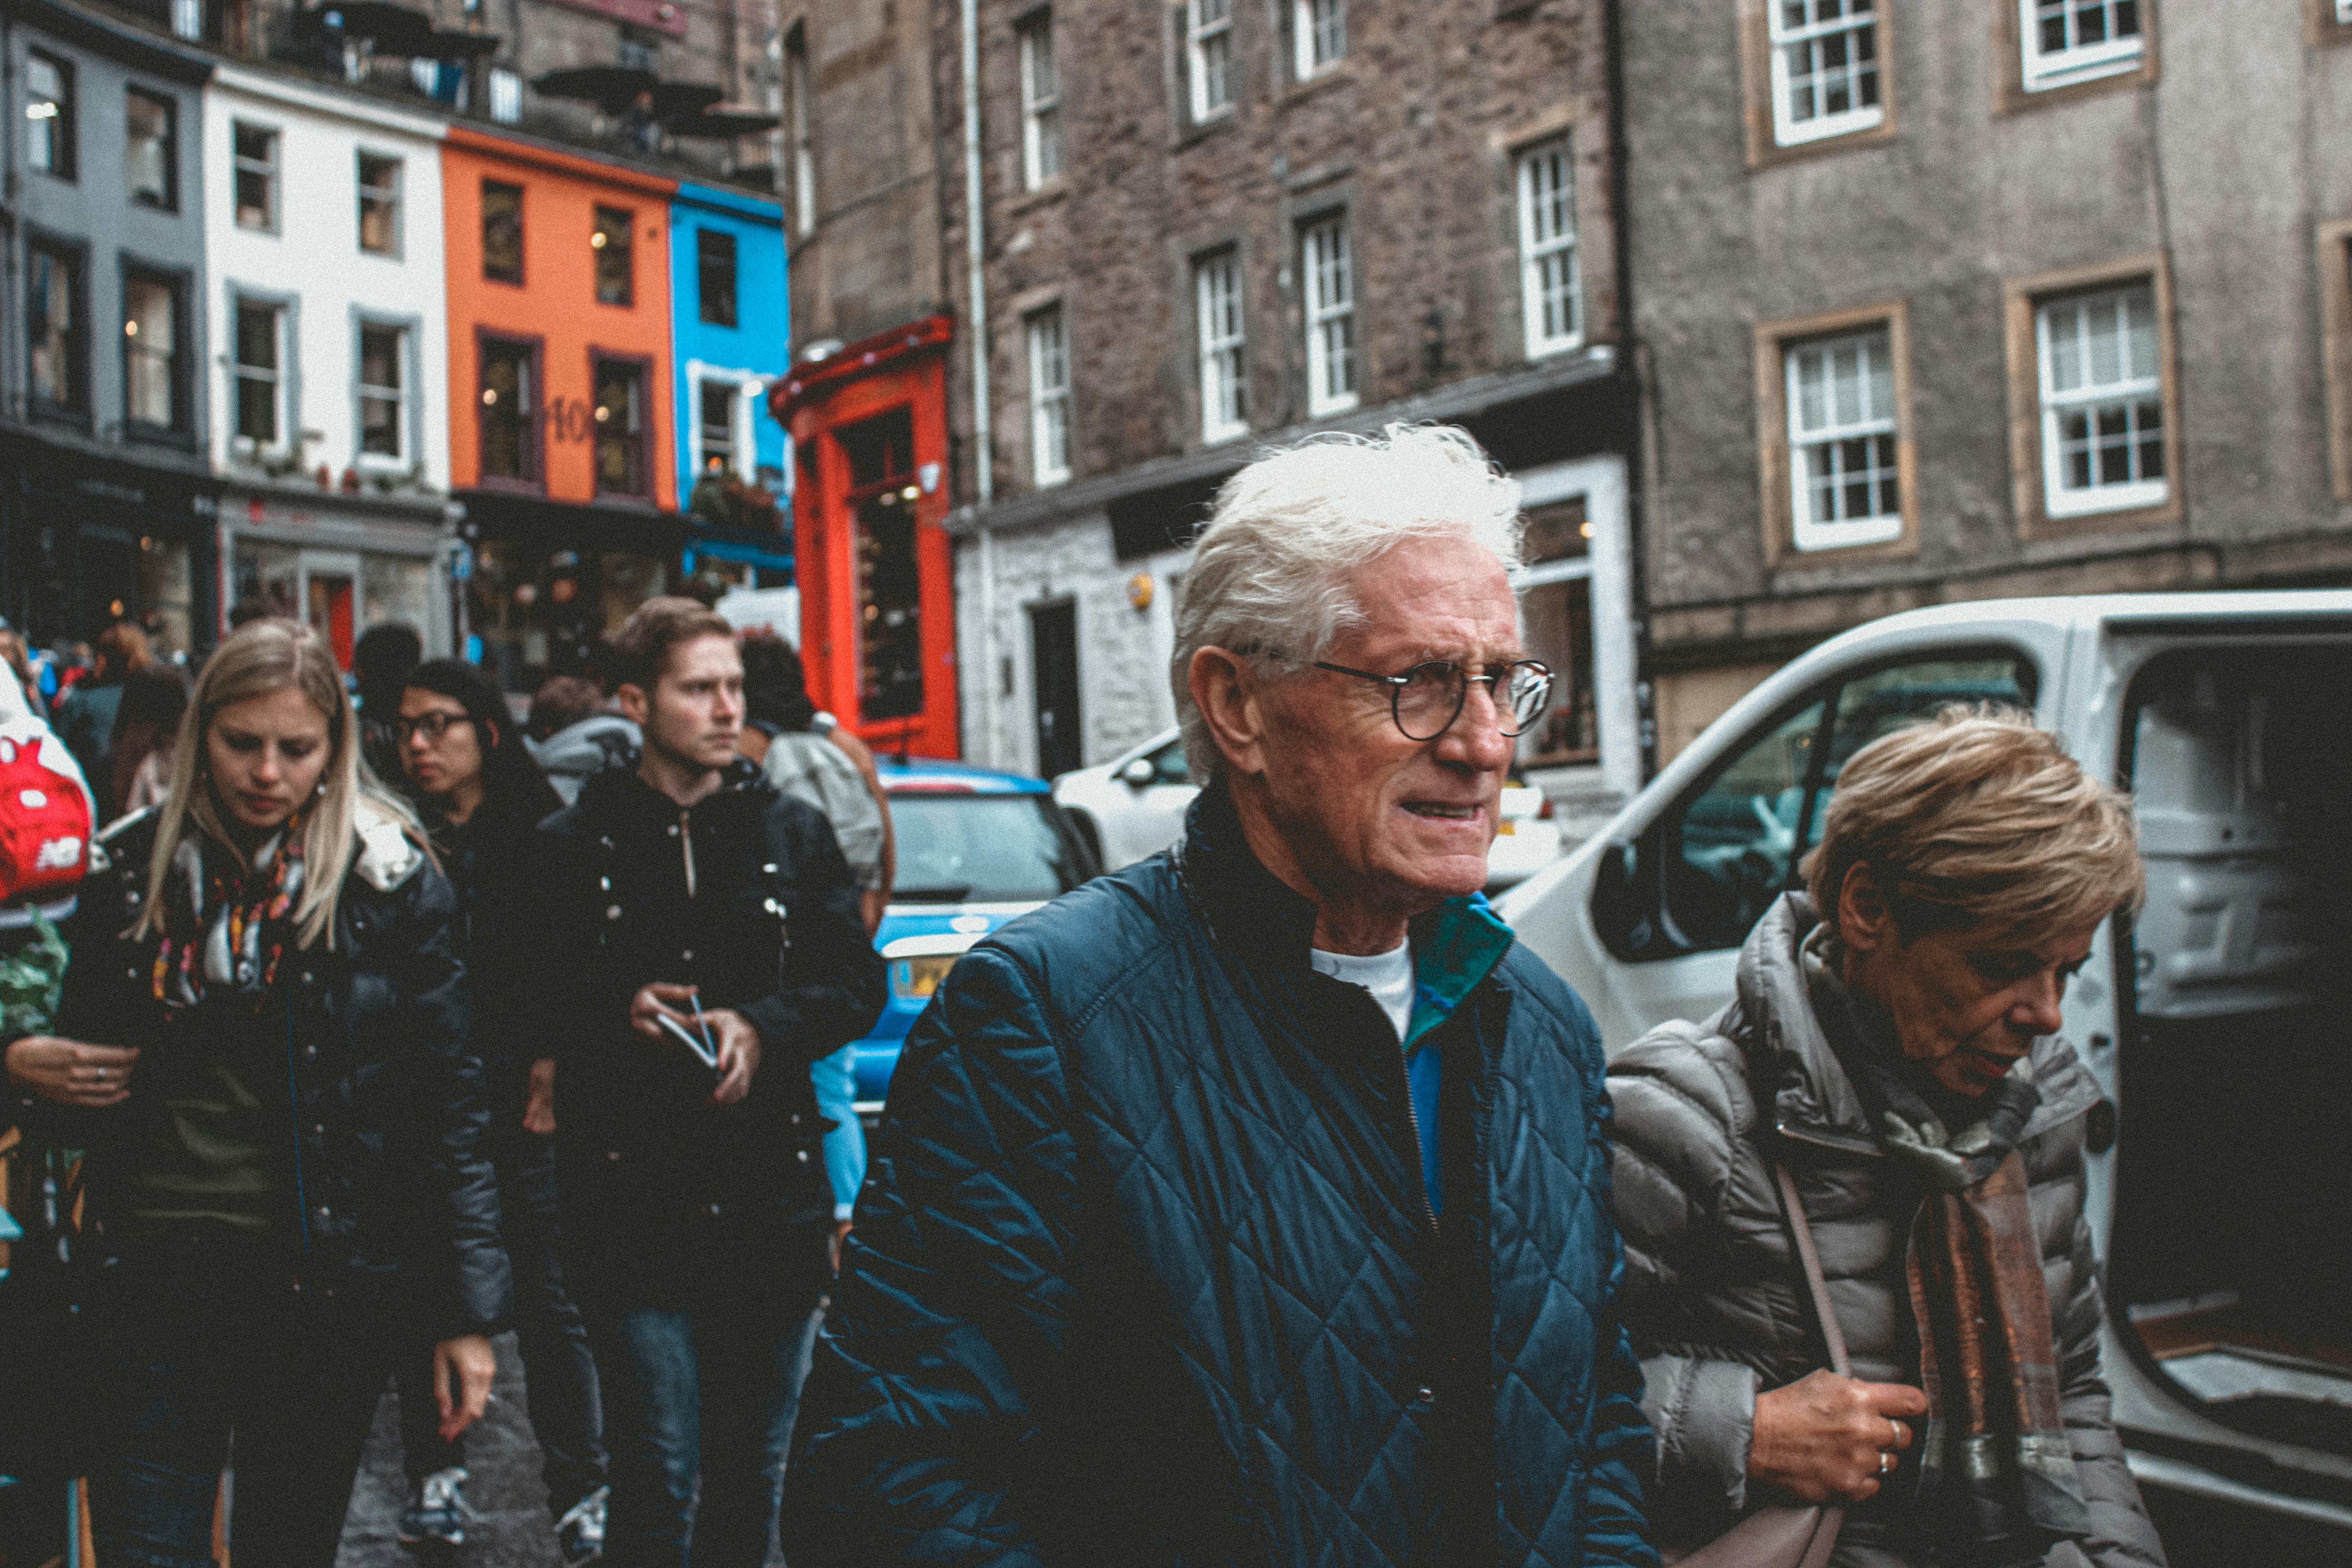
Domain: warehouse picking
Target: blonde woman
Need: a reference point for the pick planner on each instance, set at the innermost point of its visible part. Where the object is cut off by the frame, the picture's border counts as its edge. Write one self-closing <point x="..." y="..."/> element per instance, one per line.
<point x="264" y="1045"/>
<point x="1895" y="1046"/>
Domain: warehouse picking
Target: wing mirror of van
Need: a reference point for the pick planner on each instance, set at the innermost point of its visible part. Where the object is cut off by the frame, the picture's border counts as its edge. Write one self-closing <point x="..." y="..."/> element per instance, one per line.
<point x="1139" y="773"/>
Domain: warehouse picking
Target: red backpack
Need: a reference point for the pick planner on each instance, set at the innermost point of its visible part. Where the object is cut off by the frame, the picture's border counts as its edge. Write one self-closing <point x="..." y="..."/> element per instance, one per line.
<point x="45" y="815"/>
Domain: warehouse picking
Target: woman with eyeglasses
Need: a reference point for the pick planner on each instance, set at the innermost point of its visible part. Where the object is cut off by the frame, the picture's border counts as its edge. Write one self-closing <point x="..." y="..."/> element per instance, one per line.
<point x="482" y="795"/>
<point x="266" y="1019"/>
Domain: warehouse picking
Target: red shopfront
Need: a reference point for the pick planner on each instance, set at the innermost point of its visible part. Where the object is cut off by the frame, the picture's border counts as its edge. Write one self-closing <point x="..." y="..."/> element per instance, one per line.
<point x="877" y="609"/>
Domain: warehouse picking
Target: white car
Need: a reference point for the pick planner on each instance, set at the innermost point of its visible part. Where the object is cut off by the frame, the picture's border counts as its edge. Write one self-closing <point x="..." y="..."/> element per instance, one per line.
<point x="1134" y="804"/>
<point x="2220" y="1162"/>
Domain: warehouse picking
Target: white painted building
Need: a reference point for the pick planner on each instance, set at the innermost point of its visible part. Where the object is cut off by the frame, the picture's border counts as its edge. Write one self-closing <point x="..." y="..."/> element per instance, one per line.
<point x="326" y="303"/>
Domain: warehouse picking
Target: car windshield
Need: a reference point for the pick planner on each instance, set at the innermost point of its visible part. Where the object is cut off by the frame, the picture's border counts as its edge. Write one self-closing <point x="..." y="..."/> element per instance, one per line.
<point x="980" y="849"/>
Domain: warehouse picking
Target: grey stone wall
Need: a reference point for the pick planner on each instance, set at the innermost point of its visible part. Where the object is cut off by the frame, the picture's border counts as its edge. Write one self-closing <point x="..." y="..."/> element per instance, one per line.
<point x="1413" y="132"/>
<point x="2219" y="165"/>
<point x="875" y="260"/>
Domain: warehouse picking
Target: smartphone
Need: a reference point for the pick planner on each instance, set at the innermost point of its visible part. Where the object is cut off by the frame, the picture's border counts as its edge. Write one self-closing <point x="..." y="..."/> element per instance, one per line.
<point x="684" y="1036"/>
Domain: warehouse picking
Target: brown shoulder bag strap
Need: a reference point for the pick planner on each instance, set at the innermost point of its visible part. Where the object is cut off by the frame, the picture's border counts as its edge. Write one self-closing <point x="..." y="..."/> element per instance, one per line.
<point x="1801" y="1228"/>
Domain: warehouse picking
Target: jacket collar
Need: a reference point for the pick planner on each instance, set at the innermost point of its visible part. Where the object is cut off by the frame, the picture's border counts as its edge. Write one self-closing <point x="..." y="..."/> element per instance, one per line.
<point x="1251" y="911"/>
<point x="1791" y="1063"/>
<point x="618" y="798"/>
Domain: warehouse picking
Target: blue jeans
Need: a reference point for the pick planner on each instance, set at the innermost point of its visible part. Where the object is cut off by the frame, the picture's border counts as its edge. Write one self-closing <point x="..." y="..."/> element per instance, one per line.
<point x="703" y="1392"/>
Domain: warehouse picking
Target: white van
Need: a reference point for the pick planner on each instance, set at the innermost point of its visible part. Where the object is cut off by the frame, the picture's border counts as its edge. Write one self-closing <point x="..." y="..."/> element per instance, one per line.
<point x="2219" y="1024"/>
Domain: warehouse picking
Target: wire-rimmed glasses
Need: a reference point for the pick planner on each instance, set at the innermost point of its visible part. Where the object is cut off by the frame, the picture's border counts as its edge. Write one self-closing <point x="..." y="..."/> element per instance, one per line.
<point x="1425" y="700"/>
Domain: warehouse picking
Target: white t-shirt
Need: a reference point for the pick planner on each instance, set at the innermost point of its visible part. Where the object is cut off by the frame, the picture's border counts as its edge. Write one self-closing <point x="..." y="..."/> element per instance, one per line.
<point x="1387" y="975"/>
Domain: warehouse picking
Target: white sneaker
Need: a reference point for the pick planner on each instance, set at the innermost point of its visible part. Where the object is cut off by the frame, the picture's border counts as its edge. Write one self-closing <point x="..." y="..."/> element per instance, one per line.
<point x="580" y="1535"/>
<point x="440" y="1511"/>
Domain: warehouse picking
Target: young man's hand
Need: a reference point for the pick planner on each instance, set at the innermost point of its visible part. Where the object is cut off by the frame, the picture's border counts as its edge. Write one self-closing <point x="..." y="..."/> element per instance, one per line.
<point x="647" y="1007"/>
<point x="739" y="1054"/>
<point x="538" y="1112"/>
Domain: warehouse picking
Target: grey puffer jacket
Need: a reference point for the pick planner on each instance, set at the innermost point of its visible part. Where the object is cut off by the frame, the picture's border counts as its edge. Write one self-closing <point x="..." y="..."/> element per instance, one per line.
<point x="1716" y="1299"/>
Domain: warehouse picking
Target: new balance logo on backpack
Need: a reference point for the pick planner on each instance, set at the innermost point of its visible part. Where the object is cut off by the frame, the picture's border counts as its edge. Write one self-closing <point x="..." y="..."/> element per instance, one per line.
<point x="45" y="815"/>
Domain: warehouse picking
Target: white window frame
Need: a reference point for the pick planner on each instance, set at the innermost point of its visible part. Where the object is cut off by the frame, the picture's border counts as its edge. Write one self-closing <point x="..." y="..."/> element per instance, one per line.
<point x="365" y="394"/>
<point x="750" y="388"/>
<point x="188" y="20"/>
<point x="506" y="96"/>
<point x="1856" y="19"/>
<point x="1223" y="335"/>
<point x="1209" y="37"/>
<point x="277" y="375"/>
<point x="1551" y="267"/>
<point x="265" y="167"/>
<point x="2078" y="62"/>
<point x="1866" y="422"/>
<point x="1545" y="185"/>
<point x="2128" y="391"/>
<point x="1049" y="396"/>
<point x="1041" y="104"/>
<point x="391" y="195"/>
<point x="703" y="386"/>
<point x="1328" y="281"/>
<point x="802" y="131"/>
<point x="1320" y="35"/>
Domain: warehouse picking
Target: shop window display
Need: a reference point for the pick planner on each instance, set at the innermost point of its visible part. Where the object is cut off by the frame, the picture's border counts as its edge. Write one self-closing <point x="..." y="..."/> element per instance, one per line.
<point x="890" y="604"/>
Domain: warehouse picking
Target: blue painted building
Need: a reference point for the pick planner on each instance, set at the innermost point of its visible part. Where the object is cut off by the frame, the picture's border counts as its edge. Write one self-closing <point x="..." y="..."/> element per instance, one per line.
<point x="732" y="336"/>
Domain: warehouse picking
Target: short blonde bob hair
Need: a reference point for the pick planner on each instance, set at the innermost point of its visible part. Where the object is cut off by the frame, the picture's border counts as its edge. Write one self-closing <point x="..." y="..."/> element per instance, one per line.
<point x="1976" y="817"/>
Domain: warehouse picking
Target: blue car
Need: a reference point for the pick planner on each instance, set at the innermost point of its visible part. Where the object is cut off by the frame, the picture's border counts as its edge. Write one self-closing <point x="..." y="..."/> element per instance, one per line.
<point x="976" y="849"/>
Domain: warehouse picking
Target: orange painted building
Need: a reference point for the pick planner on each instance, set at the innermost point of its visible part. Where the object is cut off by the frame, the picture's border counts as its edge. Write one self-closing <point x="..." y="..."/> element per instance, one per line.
<point x="868" y="424"/>
<point x="560" y="390"/>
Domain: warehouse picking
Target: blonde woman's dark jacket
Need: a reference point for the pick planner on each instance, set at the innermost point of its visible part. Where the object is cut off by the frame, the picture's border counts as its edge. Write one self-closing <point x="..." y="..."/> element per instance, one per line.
<point x="1714" y="1295"/>
<point x="382" y="1170"/>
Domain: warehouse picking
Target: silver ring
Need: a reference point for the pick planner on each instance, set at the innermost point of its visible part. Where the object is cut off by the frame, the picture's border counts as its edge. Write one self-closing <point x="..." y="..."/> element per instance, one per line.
<point x="1885" y="1461"/>
<point x="101" y="1075"/>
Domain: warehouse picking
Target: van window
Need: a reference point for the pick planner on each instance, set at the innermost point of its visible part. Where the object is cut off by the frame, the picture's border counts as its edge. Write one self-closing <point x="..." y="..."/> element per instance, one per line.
<point x="1705" y="874"/>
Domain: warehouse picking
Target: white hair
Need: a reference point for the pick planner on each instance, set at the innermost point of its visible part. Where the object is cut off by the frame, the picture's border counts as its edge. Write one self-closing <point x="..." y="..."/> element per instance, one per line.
<point x="1271" y="575"/>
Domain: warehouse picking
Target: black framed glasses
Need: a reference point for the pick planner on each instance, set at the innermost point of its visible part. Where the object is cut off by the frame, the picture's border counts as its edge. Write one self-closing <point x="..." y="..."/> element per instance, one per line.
<point x="432" y="726"/>
<point x="1425" y="700"/>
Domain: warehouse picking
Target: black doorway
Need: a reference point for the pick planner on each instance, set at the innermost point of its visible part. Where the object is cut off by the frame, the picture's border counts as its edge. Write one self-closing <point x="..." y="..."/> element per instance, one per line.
<point x="1054" y="658"/>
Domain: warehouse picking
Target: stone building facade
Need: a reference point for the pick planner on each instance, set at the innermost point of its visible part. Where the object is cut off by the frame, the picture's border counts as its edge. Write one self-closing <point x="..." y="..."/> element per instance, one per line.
<point x="1209" y="227"/>
<point x="1934" y="308"/>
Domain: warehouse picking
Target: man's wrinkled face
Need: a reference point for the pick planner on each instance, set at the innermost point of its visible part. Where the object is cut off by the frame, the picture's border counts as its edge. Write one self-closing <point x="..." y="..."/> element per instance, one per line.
<point x="1374" y="818"/>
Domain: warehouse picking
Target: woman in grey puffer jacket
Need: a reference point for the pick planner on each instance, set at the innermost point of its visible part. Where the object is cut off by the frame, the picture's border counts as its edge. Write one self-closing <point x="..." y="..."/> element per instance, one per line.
<point x="1900" y="1059"/>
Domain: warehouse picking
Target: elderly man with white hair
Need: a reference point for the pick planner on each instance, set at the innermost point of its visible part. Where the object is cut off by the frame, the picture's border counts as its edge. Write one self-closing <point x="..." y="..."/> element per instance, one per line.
<point x="1252" y="1205"/>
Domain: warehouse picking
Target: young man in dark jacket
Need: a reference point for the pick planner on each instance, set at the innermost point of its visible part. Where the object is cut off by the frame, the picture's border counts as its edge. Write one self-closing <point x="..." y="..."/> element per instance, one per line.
<point x="687" y="900"/>
<point x="1252" y="1205"/>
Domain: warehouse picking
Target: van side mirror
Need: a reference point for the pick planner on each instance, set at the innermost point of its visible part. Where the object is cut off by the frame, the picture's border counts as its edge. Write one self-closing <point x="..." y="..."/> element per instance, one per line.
<point x="1139" y="773"/>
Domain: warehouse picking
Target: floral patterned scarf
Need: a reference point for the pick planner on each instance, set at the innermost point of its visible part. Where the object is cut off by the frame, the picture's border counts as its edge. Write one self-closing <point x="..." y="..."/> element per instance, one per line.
<point x="225" y="923"/>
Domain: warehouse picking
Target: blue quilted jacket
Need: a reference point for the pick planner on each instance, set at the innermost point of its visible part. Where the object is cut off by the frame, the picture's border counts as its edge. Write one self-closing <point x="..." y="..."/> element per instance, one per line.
<point x="1147" y="1274"/>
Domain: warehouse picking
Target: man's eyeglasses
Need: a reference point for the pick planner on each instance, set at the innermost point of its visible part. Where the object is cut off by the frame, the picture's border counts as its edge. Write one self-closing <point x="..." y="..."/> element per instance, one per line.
<point x="1425" y="700"/>
<point x="432" y="726"/>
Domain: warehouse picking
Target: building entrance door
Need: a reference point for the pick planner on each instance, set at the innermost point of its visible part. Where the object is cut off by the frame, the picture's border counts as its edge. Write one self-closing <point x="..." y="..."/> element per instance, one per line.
<point x="1053" y="661"/>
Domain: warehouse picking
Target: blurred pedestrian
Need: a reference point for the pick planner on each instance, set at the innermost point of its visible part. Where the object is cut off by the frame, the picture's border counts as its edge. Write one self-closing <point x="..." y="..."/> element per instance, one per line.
<point x="145" y="738"/>
<point x="263" y="1045"/>
<point x="482" y="797"/>
<point x="381" y="661"/>
<point x="782" y="733"/>
<point x="86" y="717"/>
<point x="1248" y="1205"/>
<point x="574" y="733"/>
<point x="1894" y="1047"/>
<point x="704" y="948"/>
<point x="20" y="666"/>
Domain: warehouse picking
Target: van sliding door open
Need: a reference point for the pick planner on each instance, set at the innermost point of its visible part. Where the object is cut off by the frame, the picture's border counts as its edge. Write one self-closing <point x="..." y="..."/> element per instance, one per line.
<point x="2230" y="1257"/>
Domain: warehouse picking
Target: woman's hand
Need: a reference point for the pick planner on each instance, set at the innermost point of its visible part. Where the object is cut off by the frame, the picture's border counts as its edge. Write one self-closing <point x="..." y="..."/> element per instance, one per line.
<point x="1822" y="1437"/>
<point x="72" y="1073"/>
<point x="539" y="1109"/>
<point x="462" y="1371"/>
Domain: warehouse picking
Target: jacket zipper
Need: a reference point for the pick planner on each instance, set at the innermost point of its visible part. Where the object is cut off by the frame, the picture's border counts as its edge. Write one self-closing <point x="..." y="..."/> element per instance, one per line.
<point x="1420" y="1153"/>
